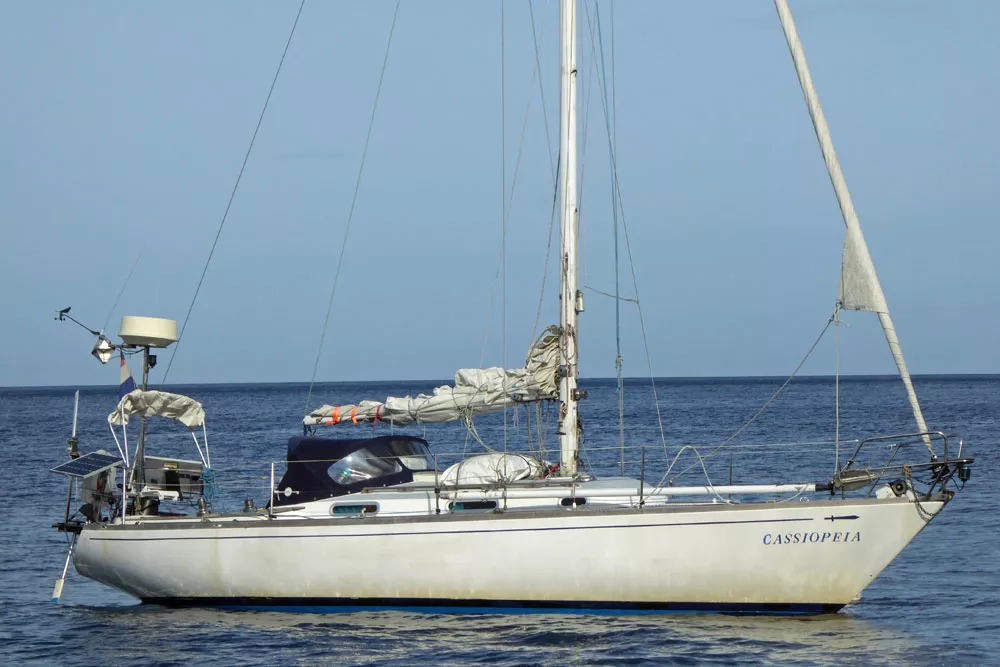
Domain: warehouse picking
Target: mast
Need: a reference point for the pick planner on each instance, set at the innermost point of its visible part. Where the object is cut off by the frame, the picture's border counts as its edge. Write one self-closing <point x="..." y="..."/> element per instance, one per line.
<point x="138" y="477"/>
<point x="570" y="300"/>
<point x="859" y="285"/>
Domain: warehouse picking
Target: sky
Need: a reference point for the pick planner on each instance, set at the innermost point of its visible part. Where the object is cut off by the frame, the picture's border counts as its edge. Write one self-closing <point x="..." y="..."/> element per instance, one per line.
<point x="123" y="127"/>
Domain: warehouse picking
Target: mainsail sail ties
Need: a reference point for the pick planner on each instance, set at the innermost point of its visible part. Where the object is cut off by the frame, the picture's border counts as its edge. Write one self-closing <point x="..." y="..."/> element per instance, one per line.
<point x="475" y="392"/>
<point x="859" y="287"/>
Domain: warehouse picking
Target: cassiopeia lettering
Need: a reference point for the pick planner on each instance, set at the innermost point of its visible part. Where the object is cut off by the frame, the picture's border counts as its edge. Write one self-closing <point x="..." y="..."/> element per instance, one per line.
<point x="811" y="538"/>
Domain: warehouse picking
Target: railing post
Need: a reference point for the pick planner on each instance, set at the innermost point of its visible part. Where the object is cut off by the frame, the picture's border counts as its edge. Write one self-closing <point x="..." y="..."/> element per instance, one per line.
<point x="642" y="476"/>
<point x="730" y="474"/>
<point x="437" y="487"/>
<point x="124" y="492"/>
<point x="270" y="502"/>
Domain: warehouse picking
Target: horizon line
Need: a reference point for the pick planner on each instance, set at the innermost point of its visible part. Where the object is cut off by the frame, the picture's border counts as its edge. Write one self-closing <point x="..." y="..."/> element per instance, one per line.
<point x="438" y="381"/>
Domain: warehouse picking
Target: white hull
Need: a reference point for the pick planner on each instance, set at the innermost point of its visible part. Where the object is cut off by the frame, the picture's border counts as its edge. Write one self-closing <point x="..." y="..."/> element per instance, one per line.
<point x="773" y="557"/>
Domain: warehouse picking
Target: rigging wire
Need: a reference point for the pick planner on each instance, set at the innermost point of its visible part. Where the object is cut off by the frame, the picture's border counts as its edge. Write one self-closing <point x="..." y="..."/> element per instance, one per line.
<point x="585" y="89"/>
<point x="503" y="213"/>
<point x="767" y="404"/>
<point x="111" y="312"/>
<point x="614" y="198"/>
<point x="554" y="166"/>
<point x="548" y="253"/>
<point x="507" y="203"/>
<point x="780" y="389"/>
<point x="836" y="363"/>
<point x="541" y="86"/>
<point x="232" y="195"/>
<point x="507" y="206"/>
<point x="354" y="200"/>
<point x="620" y="389"/>
<point x="614" y="85"/>
<point x="610" y="296"/>
<point x="536" y="74"/>
<point x="635" y="282"/>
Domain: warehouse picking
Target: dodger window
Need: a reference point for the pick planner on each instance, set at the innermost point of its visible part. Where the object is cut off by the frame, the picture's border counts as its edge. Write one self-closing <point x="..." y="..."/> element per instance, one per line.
<point x="360" y="466"/>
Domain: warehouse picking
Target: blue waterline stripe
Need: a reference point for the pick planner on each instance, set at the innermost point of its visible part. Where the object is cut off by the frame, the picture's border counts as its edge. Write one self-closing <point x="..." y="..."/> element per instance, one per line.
<point x="437" y="532"/>
<point x="450" y="606"/>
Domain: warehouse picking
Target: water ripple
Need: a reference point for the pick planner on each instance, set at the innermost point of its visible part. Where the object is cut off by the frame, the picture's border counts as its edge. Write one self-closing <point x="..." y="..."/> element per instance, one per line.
<point x="936" y="604"/>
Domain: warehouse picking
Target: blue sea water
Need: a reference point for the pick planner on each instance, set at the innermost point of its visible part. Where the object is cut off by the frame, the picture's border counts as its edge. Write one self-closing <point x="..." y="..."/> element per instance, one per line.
<point x="936" y="604"/>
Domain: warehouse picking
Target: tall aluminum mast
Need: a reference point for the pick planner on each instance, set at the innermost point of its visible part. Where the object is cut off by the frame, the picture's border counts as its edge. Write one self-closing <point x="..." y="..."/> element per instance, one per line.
<point x="570" y="299"/>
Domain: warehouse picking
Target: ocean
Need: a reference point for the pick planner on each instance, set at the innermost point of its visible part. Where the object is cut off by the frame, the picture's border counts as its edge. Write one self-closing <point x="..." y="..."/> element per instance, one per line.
<point x="937" y="603"/>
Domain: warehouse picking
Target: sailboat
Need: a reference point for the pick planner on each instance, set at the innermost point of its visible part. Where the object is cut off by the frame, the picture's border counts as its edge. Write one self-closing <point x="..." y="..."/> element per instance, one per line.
<point x="376" y="522"/>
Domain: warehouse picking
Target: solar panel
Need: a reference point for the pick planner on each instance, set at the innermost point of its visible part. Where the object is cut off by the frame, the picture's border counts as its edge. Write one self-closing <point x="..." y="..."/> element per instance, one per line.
<point x="87" y="465"/>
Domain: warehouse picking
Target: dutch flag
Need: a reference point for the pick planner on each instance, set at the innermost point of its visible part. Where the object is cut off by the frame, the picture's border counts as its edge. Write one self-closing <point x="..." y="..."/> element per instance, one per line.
<point x="128" y="384"/>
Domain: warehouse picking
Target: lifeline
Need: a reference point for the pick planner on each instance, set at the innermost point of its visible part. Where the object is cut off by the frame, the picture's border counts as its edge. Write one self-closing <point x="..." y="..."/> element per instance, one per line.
<point x="806" y="538"/>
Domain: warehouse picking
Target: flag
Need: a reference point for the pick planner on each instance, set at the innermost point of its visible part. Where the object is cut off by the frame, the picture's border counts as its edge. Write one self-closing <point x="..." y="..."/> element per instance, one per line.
<point x="128" y="384"/>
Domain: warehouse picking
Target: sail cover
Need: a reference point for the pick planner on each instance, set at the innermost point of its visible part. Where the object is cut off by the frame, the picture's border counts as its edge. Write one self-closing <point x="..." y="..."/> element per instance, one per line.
<point x="494" y="468"/>
<point x="475" y="392"/>
<point x="158" y="404"/>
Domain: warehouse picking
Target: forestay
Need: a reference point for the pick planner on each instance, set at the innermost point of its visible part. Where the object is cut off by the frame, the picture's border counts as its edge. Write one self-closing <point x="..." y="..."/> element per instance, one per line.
<point x="859" y="287"/>
<point x="475" y="392"/>
<point x="151" y="403"/>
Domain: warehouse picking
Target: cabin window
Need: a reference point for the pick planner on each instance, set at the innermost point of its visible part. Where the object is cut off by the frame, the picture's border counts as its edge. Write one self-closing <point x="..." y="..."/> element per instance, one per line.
<point x="360" y="466"/>
<point x="473" y="505"/>
<point x="573" y="502"/>
<point x="353" y="510"/>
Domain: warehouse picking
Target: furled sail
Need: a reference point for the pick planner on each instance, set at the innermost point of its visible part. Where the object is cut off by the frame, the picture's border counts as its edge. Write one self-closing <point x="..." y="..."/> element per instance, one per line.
<point x="475" y="392"/>
<point x="158" y="404"/>
<point x="859" y="287"/>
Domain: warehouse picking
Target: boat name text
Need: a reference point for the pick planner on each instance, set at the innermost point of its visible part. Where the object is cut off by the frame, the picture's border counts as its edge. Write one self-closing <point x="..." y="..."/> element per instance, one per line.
<point x="811" y="538"/>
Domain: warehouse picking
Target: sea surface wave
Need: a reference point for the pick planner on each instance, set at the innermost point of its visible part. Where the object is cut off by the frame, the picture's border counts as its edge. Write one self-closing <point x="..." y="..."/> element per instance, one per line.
<point x="937" y="603"/>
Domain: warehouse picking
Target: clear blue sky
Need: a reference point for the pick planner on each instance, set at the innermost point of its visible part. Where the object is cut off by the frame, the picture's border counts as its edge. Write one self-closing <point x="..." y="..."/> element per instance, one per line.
<point x="123" y="126"/>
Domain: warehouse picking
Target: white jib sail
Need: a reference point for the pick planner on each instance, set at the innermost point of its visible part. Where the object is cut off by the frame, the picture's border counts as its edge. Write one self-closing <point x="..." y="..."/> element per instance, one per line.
<point x="475" y="392"/>
<point x="859" y="287"/>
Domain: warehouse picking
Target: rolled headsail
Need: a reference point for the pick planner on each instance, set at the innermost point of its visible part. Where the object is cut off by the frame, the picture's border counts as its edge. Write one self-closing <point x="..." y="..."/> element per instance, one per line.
<point x="859" y="287"/>
<point x="184" y="409"/>
<point x="475" y="392"/>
